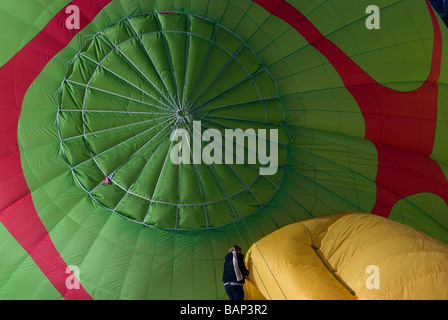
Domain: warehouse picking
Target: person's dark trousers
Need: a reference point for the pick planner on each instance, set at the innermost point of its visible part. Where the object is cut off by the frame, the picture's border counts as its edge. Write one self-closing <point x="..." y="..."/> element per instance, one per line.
<point x="235" y="292"/>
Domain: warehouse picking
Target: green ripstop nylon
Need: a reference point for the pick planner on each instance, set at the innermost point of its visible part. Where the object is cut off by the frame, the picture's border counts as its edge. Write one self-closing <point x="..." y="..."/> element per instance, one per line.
<point x="137" y="82"/>
<point x="130" y="242"/>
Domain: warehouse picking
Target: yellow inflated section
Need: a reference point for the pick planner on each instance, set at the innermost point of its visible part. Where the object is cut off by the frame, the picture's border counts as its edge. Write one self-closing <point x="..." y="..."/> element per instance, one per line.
<point x="348" y="256"/>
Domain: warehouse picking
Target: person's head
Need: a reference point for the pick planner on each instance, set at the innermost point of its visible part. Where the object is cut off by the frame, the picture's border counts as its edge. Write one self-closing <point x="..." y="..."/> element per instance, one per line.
<point x="236" y="248"/>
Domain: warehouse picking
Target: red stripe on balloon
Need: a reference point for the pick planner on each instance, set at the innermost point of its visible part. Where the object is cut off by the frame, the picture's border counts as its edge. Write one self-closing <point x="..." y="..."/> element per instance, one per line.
<point x="17" y="211"/>
<point x="402" y="125"/>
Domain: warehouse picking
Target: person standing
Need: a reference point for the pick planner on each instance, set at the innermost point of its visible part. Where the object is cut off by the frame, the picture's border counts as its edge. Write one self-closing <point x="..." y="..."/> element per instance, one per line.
<point x="234" y="273"/>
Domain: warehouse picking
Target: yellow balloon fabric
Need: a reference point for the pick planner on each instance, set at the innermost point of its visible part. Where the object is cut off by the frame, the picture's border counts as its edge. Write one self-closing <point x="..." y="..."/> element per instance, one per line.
<point x="347" y="256"/>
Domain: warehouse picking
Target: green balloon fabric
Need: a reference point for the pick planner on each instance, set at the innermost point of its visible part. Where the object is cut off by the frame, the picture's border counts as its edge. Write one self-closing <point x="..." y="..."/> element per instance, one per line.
<point x="109" y="97"/>
<point x="89" y="189"/>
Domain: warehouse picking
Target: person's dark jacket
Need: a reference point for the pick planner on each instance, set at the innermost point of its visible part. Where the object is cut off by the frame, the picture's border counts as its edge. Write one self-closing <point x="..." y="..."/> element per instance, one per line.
<point x="229" y="272"/>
